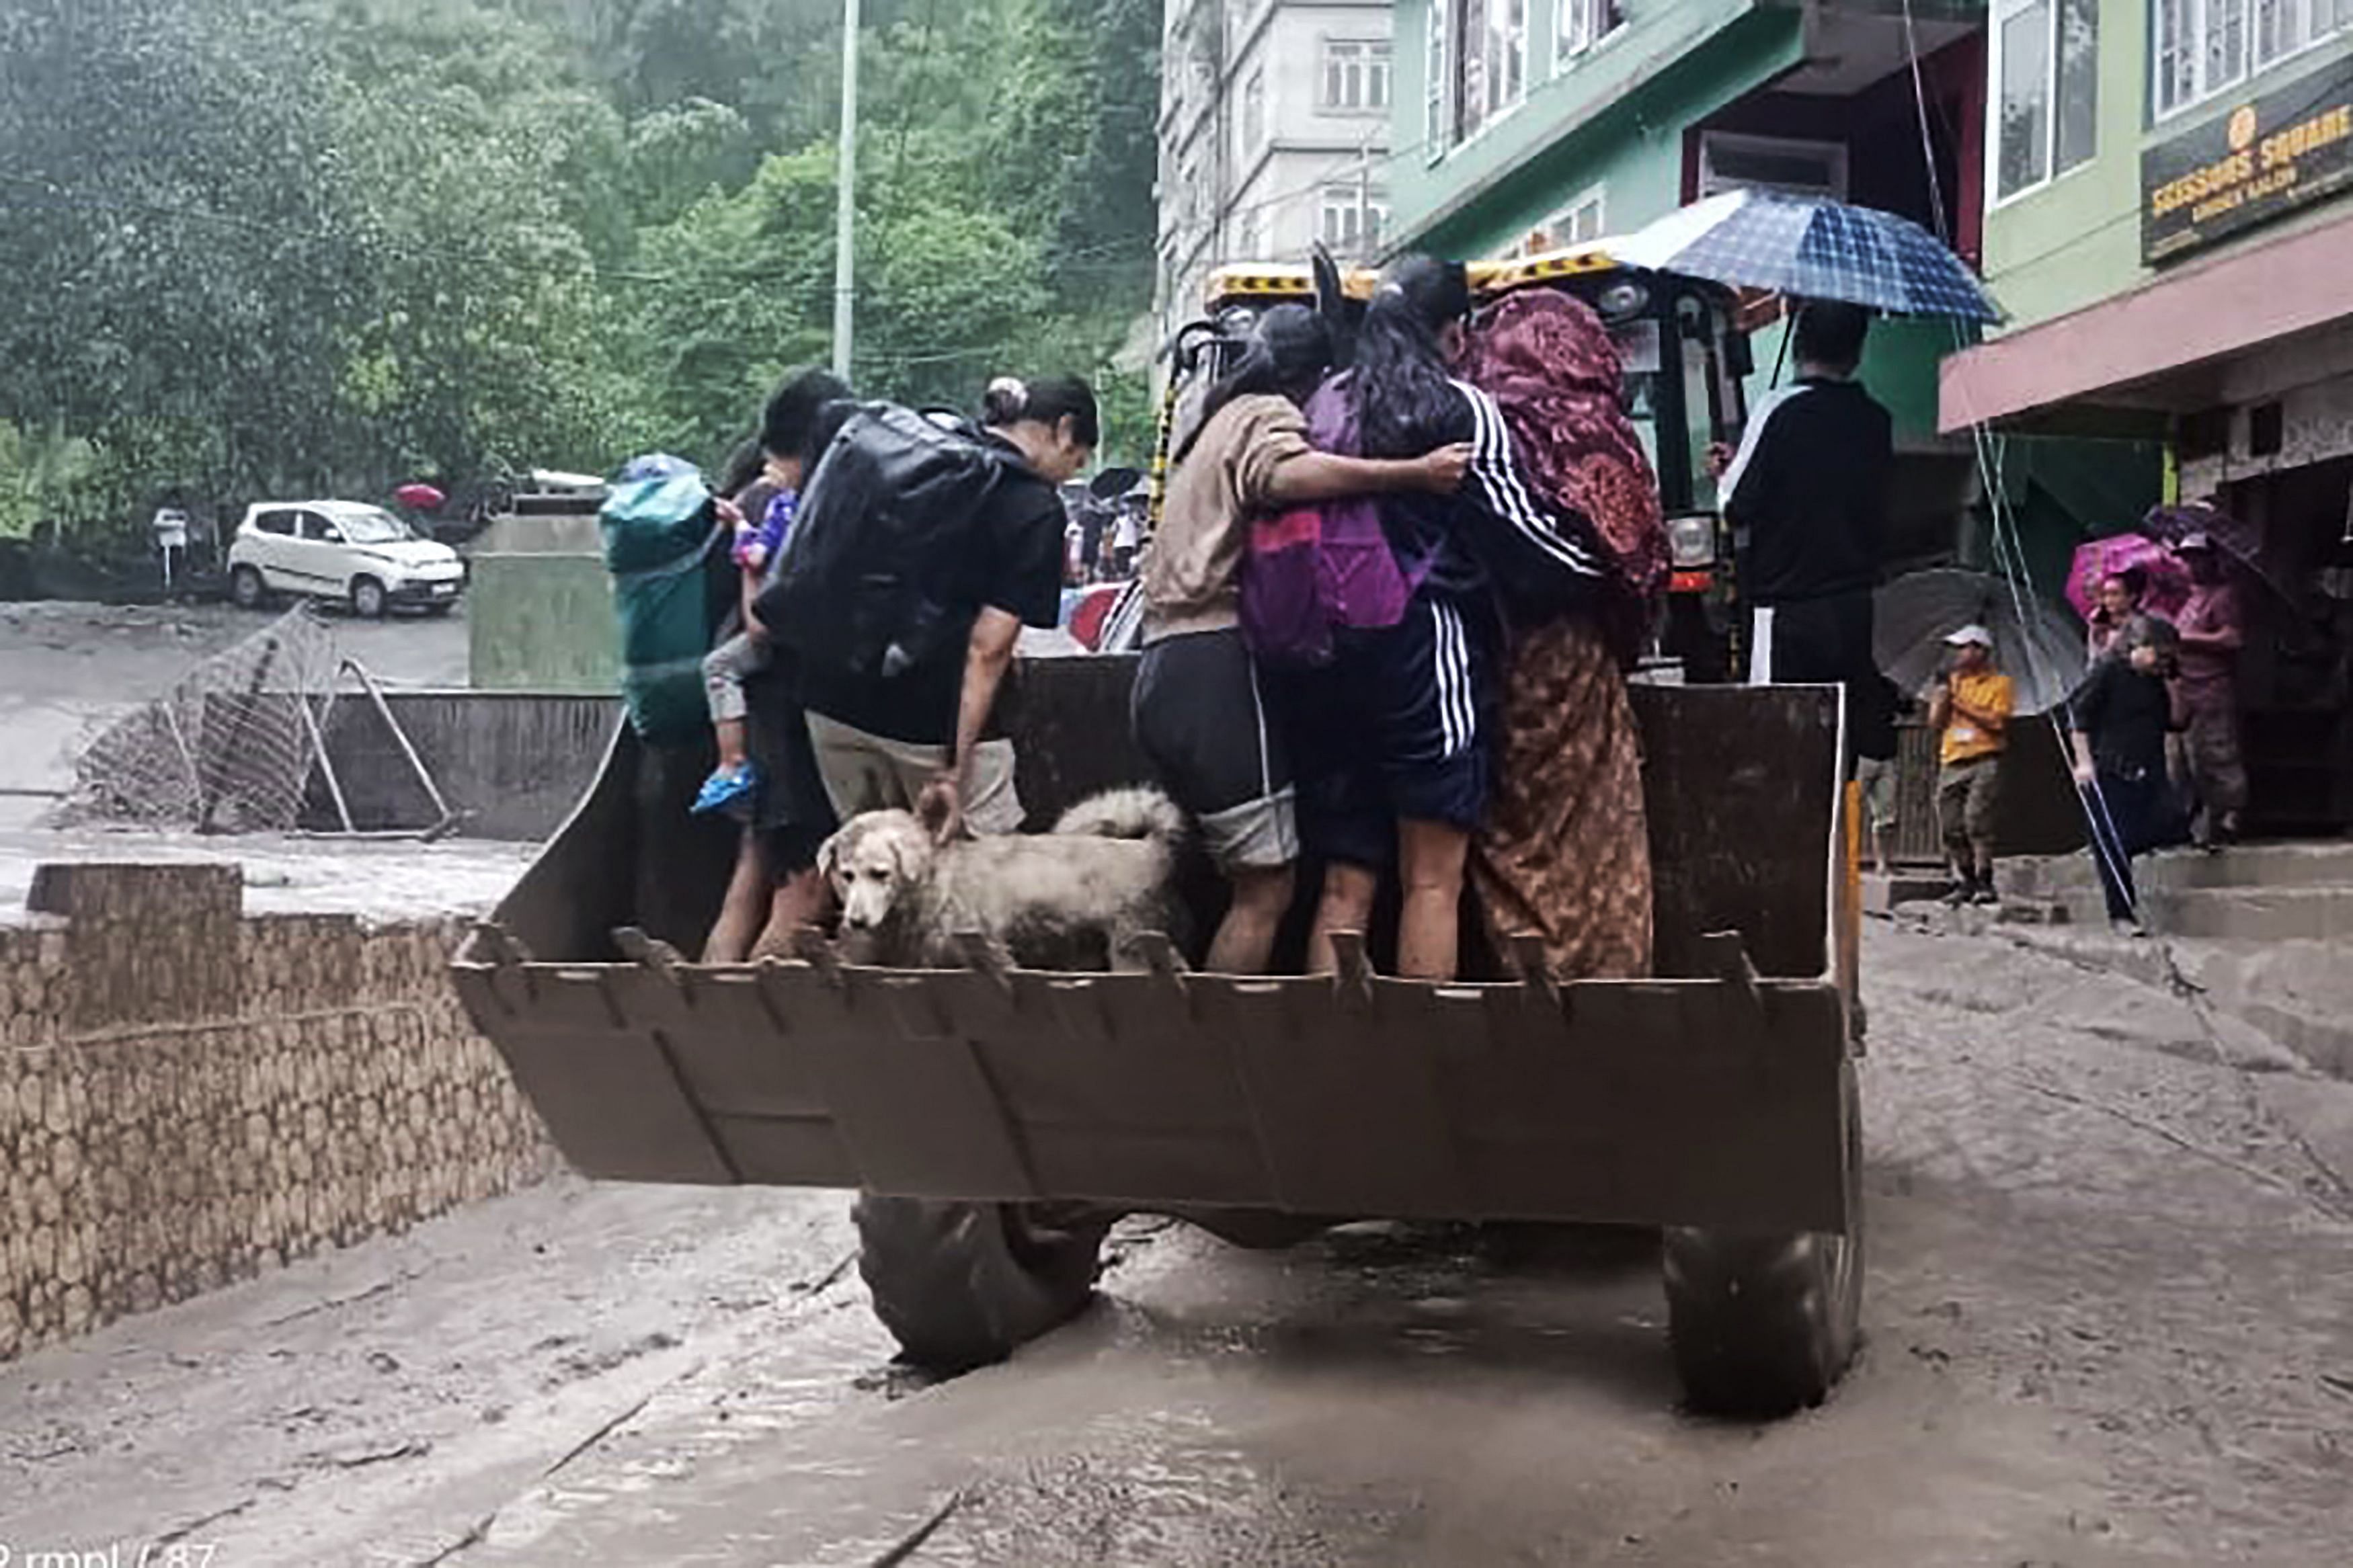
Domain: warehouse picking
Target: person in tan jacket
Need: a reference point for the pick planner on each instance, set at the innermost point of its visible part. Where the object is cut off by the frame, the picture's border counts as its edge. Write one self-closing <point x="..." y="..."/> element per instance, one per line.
<point x="1198" y="710"/>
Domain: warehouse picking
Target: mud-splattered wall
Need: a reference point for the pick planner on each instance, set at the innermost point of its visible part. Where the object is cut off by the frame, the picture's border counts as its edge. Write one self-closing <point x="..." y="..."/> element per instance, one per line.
<point x="188" y="1097"/>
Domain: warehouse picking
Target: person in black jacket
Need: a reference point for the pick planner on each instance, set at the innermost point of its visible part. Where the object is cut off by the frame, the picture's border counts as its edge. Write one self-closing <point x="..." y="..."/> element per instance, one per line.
<point x="1807" y="495"/>
<point x="2121" y="714"/>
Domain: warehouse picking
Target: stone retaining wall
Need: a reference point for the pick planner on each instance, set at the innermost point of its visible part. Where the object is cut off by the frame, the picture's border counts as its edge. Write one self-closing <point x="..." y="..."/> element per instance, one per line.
<point x="188" y="1096"/>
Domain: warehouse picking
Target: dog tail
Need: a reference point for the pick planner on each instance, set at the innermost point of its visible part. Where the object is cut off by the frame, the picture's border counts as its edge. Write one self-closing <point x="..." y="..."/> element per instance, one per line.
<point x="1142" y="814"/>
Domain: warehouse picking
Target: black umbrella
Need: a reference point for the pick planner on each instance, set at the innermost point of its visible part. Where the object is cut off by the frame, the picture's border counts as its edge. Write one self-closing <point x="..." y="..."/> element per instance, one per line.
<point x="2036" y="643"/>
<point x="2235" y="540"/>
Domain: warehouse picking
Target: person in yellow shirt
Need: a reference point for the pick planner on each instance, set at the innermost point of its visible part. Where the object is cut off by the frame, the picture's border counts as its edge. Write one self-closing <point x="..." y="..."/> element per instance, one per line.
<point x="1972" y="707"/>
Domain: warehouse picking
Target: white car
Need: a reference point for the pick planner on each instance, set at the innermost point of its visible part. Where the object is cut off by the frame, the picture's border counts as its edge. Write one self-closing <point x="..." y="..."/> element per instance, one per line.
<point x="342" y="550"/>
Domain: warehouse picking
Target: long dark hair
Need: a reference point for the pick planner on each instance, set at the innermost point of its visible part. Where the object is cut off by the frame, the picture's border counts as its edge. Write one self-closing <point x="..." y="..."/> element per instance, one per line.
<point x="1289" y="350"/>
<point x="1404" y="398"/>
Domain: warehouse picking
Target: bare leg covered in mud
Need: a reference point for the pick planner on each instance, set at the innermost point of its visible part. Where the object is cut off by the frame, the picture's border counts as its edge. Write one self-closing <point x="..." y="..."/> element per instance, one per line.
<point x="799" y="900"/>
<point x="1245" y="940"/>
<point x="1347" y="905"/>
<point x="1429" y="928"/>
<point x="741" y="912"/>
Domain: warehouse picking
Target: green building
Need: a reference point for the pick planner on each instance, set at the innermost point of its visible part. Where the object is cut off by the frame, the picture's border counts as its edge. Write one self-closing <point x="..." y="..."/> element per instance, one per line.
<point x="1526" y="124"/>
<point x="2168" y="213"/>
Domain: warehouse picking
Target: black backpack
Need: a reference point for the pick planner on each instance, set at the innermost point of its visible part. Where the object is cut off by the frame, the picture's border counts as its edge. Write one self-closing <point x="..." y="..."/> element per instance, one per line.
<point x="871" y="578"/>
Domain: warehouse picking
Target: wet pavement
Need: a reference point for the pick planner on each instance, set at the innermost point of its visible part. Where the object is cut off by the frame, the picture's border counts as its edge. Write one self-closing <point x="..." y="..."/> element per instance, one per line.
<point x="2107" y="1312"/>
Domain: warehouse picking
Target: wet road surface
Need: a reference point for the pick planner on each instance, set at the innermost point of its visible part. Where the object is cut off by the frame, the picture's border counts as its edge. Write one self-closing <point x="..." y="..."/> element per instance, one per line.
<point x="2110" y="1316"/>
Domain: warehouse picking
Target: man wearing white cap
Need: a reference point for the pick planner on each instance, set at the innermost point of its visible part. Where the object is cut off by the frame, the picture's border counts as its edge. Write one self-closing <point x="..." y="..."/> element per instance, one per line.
<point x="1972" y="707"/>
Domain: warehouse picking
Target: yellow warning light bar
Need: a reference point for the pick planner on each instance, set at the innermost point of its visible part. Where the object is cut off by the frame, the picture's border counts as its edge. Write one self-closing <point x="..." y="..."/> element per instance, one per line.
<point x="1278" y="280"/>
<point x="1282" y="280"/>
<point x="1577" y="261"/>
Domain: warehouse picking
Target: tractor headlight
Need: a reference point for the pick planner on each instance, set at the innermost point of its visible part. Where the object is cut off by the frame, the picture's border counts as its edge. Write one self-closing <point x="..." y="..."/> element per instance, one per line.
<point x="1691" y="542"/>
<point x="1620" y="300"/>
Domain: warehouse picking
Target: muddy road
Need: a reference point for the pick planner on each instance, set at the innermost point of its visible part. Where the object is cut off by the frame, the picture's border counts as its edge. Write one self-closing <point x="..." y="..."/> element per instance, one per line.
<point x="2110" y="1320"/>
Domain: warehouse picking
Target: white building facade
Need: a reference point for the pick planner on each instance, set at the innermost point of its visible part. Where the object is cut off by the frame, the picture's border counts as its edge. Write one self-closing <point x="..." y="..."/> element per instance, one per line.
<point x="1274" y="123"/>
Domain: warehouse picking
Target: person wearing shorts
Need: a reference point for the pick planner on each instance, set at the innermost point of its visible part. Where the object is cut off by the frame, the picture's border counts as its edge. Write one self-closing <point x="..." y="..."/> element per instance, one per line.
<point x="1877" y="777"/>
<point x="1394" y="749"/>
<point x="1398" y="728"/>
<point x="925" y="738"/>
<point x="1200" y="710"/>
<point x="863" y="772"/>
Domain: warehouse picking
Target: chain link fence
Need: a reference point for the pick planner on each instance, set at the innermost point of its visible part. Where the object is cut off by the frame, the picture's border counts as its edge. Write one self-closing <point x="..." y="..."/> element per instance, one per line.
<point x="228" y="750"/>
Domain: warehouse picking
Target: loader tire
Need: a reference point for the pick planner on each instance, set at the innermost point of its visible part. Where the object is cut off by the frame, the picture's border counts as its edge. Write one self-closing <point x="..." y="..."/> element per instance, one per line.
<point x="961" y="1285"/>
<point x="1763" y="1326"/>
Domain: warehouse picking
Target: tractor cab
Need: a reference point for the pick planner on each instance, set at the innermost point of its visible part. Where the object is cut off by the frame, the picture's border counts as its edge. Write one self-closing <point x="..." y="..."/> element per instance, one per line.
<point x="1686" y="359"/>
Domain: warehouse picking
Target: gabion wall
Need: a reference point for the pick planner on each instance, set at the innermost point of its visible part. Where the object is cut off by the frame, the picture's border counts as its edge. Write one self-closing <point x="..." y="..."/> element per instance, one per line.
<point x="188" y="1096"/>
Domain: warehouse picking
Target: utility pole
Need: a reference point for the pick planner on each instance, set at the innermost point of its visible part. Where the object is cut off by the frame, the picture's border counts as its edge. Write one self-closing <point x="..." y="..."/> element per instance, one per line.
<point x="845" y="241"/>
<point x="1366" y="249"/>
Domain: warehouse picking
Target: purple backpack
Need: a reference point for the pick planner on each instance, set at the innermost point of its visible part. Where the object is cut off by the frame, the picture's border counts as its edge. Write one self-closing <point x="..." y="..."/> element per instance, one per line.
<point x="1313" y="569"/>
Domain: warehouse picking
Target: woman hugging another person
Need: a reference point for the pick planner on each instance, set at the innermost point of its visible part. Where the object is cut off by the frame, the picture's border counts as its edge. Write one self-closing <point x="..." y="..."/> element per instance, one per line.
<point x="1199" y="713"/>
<point x="1397" y="739"/>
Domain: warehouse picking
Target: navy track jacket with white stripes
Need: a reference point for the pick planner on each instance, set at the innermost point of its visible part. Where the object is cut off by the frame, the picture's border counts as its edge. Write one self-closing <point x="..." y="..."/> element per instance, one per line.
<point x="1495" y="534"/>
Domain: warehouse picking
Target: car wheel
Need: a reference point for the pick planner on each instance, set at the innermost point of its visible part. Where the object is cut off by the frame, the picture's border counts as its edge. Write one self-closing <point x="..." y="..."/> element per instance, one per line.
<point x="367" y="598"/>
<point x="247" y="589"/>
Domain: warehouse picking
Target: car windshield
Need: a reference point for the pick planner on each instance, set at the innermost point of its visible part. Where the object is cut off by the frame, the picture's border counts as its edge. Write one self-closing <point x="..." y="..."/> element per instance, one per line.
<point x="366" y="525"/>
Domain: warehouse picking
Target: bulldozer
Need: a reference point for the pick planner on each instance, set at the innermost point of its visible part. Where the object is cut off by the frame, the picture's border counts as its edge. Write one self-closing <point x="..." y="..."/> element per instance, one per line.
<point x="996" y="1122"/>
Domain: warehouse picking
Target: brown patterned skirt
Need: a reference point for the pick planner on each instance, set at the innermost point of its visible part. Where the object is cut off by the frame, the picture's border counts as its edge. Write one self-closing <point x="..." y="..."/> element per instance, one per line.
<point x="1566" y="853"/>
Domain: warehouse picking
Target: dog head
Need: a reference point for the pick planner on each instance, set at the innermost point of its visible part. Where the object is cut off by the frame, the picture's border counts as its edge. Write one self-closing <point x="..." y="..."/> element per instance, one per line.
<point x="871" y="863"/>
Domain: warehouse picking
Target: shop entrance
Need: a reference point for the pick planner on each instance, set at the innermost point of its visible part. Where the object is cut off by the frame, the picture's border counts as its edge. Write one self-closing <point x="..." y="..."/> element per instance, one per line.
<point x="2296" y="674"/>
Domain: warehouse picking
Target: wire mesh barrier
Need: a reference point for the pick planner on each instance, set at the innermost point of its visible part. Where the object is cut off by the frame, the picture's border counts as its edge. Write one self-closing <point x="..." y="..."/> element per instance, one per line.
<point x="228" y="750"/>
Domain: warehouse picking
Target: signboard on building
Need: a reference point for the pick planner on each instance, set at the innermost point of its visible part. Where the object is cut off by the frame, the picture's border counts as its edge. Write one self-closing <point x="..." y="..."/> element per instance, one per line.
<point x="2275" y="154"/>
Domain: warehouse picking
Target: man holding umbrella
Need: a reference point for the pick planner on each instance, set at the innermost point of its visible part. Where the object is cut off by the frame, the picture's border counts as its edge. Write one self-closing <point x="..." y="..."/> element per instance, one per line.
<point x="1806" y="494"/>
<point x="1972" y="708"/>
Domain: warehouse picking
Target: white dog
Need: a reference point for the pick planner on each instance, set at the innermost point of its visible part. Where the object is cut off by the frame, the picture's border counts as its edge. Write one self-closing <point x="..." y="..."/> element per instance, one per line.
<point x="1077" y="897"/>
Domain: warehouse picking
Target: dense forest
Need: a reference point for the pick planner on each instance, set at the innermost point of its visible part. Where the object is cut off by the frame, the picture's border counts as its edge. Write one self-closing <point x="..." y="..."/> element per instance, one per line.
<point x="281" y="246"/>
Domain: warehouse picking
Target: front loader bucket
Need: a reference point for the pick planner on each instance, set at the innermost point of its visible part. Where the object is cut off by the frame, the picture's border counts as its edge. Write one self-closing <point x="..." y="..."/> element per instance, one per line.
<point x="1715" y="1095"/>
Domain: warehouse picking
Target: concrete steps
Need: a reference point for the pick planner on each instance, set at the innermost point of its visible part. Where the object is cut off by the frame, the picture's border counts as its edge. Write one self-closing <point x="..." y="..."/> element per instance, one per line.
<point x="2262" y="933"/>
<point x="2265" y="892"/>
<point x="2265" y="866"/>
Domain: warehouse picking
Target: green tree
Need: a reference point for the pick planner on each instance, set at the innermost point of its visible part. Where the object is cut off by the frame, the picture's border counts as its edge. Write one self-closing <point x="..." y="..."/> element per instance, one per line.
<point x="338" y="243"/>
<point x="182" y="259"/>
<point x="42" y="476"/>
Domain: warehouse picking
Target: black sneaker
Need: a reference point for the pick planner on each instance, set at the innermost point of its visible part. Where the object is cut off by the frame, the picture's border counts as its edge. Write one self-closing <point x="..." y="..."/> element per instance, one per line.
<point x="1985" y="894"/>
<point x="1958" y="894"/>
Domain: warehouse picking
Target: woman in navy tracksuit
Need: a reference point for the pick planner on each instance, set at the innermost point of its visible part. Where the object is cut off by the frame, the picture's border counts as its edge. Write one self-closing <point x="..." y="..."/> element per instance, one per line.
<point x="1393" y="739"/>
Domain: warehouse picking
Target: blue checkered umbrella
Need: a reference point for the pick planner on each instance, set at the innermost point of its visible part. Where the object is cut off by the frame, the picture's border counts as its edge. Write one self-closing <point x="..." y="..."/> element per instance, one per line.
<point x="1815" y="251"/>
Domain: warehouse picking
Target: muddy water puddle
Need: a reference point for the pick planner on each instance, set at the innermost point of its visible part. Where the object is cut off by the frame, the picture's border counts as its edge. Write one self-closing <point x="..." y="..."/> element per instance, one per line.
<point x="1213" y="1408"/>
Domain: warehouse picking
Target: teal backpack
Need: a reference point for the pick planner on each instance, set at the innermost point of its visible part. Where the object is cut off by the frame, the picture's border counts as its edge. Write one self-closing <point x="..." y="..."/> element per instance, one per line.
<point x="661" y="536"/>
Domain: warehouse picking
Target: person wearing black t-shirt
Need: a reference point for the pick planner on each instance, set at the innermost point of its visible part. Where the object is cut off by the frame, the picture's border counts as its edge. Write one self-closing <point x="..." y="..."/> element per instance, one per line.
<point x="1807" y="495"/>
<point x="2120" y="716"/>
<point x="919" y="739"/>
